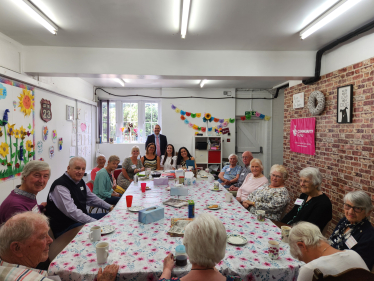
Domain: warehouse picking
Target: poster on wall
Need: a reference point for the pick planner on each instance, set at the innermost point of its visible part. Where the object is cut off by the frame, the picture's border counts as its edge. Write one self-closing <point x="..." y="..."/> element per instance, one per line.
<point x="302" y="135"/>
<point x="345" y="104"/>
<point x="17" y="138"/>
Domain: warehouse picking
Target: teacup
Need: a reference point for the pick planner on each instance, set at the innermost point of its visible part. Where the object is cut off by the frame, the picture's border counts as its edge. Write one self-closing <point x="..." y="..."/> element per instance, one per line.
<point x="95" y="233"/>
<point x="260" y="215"/>
<point x="102" y="252"/>
<point x="273" y="249"/>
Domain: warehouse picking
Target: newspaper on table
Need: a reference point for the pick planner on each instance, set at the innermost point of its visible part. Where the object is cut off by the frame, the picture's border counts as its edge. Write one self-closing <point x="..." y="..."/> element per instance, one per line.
<point x="177" y="203"/>
<point x="178" y="226"/>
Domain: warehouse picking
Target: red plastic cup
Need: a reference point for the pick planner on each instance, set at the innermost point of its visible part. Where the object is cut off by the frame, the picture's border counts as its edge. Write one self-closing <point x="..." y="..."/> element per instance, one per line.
<point x="143" y="186"/>
<point x="129" y="200"/>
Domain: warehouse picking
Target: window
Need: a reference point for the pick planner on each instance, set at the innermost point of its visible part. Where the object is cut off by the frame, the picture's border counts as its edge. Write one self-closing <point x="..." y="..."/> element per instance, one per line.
<point x="128" y="122"/>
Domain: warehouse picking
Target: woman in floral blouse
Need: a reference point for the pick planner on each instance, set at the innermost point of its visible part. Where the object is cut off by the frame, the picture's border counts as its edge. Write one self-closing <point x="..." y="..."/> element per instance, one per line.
<point x="271" y="198"/>
<point x="205" y="241"/>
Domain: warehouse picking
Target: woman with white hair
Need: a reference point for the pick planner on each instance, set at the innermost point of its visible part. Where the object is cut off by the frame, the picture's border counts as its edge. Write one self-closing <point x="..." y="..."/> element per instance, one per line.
<point x="307" y="244"/>
<point x="271" y="198"/>
<point x="205" y="242"/>
<point x="355" y="231"/>
<point x="130" y="167"/>
<point x="254" y="180"/>
<point x="34" y="178"/>
<point x="312" y="206"/>
<point x="230" y="173"/>
<point x="100" y="160"/>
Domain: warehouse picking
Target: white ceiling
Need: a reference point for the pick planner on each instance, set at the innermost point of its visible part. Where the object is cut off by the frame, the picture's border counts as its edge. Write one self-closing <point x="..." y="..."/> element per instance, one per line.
<point x="149" y="24"/>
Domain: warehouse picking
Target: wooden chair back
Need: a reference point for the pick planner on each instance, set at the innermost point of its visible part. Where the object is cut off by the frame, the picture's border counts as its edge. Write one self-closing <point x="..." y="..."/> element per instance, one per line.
<point x="352" y="274"/>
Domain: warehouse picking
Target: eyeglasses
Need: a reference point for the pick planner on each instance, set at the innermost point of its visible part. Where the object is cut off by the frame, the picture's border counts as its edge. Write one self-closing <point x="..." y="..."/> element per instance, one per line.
<point x="276" y="176"/>
<point x="356" y="209"/>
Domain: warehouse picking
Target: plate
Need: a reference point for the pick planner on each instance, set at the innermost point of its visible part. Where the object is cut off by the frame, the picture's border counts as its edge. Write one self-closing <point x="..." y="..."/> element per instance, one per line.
<point x="142" y="178"/>
<point x="236" y="239"/>
<point x="212" y="189"/>
<point x="135" y="208"/>
<point x="106" y="229"/>
<point x="215" y="208"/>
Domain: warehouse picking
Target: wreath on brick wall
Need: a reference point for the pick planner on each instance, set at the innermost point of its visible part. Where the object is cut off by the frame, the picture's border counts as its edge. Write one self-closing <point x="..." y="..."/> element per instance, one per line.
<point x="316" y="102"/>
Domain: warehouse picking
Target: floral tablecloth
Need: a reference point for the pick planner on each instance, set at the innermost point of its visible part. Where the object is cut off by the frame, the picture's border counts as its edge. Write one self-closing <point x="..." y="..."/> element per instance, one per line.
<point x="139" y="249"/>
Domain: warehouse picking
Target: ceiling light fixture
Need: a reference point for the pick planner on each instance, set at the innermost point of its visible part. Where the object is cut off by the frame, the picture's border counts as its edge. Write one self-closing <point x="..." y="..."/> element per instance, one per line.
<point x="119" y="81"/>
<point x="185" y="14"/>
<point x="37" y="15"/>
<point x="202" y="83"/>
<point x="328" y="16"/>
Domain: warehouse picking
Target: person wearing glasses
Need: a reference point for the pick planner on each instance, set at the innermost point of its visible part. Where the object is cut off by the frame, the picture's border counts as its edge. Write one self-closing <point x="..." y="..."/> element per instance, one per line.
<point x="271" y="198"/>
<point x="312" y="206"/>
<point x="355" y="231"/>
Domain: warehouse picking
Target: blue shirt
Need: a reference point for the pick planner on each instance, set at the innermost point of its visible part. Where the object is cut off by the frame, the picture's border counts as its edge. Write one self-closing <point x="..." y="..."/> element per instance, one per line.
<point x="230" y="173"/>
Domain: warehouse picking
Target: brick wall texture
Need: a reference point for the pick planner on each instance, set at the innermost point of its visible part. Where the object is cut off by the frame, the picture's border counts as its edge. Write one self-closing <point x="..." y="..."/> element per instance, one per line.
<point x="344" y="152"/>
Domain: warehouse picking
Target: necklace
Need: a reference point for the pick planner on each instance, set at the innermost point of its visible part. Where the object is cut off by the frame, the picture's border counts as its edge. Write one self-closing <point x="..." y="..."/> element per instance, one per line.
<point x="201" y="268"/>
<point x="324" y="250"/>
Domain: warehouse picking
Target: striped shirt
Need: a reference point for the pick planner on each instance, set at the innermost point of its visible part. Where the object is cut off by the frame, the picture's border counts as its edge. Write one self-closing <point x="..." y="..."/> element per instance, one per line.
<point x="16" y="272"/>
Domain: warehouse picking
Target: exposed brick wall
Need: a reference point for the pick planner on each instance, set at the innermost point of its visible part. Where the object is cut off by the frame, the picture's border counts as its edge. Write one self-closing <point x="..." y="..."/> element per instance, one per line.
<point x="344" y="152"/>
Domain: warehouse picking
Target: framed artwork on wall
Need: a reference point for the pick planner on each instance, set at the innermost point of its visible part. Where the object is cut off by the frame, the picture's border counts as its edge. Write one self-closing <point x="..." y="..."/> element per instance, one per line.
<point x="344" y="107"/>
<point x="69" y="113"/>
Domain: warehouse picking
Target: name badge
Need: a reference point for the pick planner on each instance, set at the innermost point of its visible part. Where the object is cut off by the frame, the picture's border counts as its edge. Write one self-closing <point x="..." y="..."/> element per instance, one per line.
<point x="351" y="242"/>
<point x="228" y="170"/>
<point x="133" y="166"/>
<point x="260" y="188"/>
<point x="242" y="174"/>
<point x="82" y="188"/>
<point x="35" y="209"/>
<point x="299" y="201"/>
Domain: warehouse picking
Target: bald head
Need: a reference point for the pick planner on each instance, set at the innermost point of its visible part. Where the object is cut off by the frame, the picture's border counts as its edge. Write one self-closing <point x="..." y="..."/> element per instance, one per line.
<point x="247" y="157"/>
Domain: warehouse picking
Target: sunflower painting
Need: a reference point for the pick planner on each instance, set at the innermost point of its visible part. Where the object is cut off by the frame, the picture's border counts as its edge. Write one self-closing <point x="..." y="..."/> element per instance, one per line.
<point x="4" y="149"/>
<point x="26" y="102"/>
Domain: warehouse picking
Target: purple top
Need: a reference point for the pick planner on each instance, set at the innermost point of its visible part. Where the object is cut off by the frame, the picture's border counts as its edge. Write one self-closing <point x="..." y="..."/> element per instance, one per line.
<point x="18" y="201"/>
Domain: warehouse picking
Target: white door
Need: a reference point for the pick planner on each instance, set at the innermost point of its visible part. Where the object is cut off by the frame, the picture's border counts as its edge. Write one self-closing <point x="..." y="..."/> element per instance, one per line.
<point x="249" y="136"/>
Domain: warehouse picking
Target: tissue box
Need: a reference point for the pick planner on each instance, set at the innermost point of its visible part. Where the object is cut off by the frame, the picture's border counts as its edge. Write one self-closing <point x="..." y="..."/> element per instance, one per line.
<point x="151" y="214"/>
<point x="179" y="190"/>
<point x="161" y="181"/>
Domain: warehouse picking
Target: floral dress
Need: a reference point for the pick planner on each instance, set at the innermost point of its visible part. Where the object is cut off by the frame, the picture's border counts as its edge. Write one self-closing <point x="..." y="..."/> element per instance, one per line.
<point x="271" y="200"/>
<point x="128" y="166"/>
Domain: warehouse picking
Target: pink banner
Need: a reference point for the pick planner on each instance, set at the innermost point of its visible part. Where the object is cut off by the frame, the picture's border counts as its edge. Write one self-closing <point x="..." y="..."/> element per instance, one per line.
<point x="302" y="139"/>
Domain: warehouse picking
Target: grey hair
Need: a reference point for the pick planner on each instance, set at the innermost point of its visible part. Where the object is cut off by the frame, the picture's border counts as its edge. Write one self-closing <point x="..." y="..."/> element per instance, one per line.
<point x="76" y="158"/>
<point x="314" y="174"/>
<point x="305" y="232"/>
<point x="20" y="228"/>
<point x="258" y="161"/>
<point x="113" y="158"/>
<point x="135" y="147"/>
<point x="281" y="169"/>
<point x="35" y="166"/>
<point x="205" y="240"/>
<point x="359" y="199"/>
<point x="236" y="156"/>
<point x="101" y="155"/>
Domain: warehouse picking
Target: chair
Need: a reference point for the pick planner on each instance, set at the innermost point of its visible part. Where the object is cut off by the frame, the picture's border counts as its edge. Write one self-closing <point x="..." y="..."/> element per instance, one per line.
<point x="324" y="231"/>
<point x="90" y="185"/>
<point x="117" y="172"/>
<point x="352" y="274"/>
<point x="284" y="212"/>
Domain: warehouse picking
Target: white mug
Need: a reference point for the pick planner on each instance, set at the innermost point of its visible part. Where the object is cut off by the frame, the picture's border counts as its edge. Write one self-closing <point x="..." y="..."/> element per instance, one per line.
<point x="102" y="252"/>
<point x="273" y="249"/>
<point x="210" y="178"/>
<point x="285" y="233"/>
<point x="95" y="233"/>
<point x="228" y="197"/>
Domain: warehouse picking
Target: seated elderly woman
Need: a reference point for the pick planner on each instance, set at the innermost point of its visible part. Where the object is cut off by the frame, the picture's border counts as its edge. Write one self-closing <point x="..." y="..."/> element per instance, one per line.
<point x="24" y="243"/>
<point x="254" y="180"/>
<point x="130" y="167"/>
<point x="312" y="206"/>
<point x="230" y="173"/>
<point x="355" y="231"/>
<point x="307" y="244"/>
<point x="273" y="197"/>
<point x="205" y="242"/>
<point x="100" y="160"/>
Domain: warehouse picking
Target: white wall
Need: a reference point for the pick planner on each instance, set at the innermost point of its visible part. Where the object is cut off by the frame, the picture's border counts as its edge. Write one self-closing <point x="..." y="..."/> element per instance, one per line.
<point x="10" y="53"/>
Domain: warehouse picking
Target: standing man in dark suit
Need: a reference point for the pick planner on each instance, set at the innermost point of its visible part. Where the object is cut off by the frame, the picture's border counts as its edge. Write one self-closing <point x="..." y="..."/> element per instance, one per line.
<point x="159" y="140"/>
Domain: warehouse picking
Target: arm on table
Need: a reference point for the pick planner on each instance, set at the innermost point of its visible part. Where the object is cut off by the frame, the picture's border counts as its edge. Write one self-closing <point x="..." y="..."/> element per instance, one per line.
<point x="63" y="201"/>
<point x="168" y="266"/>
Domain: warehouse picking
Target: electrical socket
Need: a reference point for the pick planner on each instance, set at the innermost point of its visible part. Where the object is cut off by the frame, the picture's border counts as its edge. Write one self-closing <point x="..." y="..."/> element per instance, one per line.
<point x="227" y="93"/>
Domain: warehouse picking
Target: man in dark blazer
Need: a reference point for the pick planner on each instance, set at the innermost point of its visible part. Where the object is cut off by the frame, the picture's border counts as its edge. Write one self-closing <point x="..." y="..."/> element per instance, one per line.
<point x="159" y="140"/>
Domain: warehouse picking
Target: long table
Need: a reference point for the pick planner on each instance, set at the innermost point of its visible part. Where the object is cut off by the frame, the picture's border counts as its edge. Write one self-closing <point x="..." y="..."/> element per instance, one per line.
<point x="139" y="249"/>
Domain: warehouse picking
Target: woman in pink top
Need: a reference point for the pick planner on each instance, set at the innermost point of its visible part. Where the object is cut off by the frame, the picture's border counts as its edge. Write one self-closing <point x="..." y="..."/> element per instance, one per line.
<point x="254" y="180"/>
<point x="100" y="160"/>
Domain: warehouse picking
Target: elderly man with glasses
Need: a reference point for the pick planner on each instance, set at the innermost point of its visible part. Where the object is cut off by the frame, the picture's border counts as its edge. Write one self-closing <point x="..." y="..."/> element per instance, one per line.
<point x="24" y="243"/>
<point x="355" y="231"/>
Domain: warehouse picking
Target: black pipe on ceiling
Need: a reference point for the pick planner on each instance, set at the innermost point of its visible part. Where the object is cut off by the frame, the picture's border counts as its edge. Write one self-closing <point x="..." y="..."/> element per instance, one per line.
<point x="279" y="88"/>
<point x="317" y="74"/>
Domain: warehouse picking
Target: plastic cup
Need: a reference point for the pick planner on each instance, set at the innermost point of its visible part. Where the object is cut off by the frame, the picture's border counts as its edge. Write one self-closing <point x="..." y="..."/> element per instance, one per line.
<point x="143" y="186"/>
<point x="129" y="200"/>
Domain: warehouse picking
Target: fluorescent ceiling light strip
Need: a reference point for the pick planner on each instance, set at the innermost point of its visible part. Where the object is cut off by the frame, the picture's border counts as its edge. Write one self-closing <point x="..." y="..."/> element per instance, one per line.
<point x="185" y="13"/>
<point x="119" y="81"/>
<point x="330" y="15"/>
<point x="202" y="83"/>
<point x="30" y="9"/>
